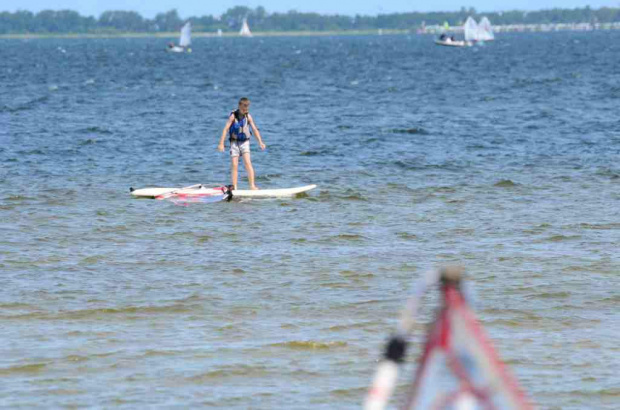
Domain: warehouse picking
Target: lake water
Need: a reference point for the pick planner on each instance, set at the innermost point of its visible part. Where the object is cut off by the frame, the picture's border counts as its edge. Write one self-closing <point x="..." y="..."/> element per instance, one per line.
<point x="501" y="158"/>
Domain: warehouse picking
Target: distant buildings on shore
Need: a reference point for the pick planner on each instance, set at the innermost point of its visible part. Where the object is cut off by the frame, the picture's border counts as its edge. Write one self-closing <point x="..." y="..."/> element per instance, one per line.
<point x="438" y="29"/>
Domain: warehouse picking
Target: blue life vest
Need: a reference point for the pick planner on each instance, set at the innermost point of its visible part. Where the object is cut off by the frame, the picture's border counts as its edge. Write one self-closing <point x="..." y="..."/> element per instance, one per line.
<point x="240" y="129"/>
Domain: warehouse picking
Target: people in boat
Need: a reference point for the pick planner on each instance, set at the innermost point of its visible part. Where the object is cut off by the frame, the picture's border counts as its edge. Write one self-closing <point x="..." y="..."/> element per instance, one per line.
<point x="171" y="45"/>
<point x="239" y="128"/>
<point x="452" y="38"/>
<point x="442" y="37"/>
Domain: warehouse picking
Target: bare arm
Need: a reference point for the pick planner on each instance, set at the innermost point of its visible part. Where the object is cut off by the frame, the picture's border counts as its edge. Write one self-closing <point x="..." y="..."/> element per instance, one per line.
<point x="220" y="146"/>
<point x="256" y="132"/>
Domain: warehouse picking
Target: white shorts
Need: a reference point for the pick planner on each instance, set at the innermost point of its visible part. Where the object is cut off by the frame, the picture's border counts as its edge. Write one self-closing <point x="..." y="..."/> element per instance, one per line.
<point x="237" y="149"/>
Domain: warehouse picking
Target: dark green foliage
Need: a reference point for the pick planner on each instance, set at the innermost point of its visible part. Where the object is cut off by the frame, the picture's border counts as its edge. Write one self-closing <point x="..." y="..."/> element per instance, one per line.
<point x="123" y="21"/>
<point x="67" y="21"/>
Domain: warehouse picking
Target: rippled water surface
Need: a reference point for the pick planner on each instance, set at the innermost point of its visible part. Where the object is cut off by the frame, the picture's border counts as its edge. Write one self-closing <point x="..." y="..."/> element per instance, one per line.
<point x="502" y="158"/>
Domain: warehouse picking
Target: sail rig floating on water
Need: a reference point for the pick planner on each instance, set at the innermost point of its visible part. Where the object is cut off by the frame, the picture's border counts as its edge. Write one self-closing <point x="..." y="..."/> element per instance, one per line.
<point x="459" y="368"/>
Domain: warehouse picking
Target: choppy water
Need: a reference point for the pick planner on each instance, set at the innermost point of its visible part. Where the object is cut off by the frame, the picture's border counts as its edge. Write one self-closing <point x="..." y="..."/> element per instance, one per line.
<point x="502" y="158"/>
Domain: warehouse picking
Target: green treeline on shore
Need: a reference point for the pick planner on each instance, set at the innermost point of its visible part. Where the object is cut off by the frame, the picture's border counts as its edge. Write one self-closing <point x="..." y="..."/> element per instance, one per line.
<point x="68" y="21"/>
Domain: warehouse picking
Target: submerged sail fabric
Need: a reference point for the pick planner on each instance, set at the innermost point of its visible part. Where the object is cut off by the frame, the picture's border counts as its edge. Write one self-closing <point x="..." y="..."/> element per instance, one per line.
<point x="470" y="29"/>
<point x="206" y="199"/>
<point x="186" y="35"/>
<point x="459" y="368"/>
<point x="196" y="193"/>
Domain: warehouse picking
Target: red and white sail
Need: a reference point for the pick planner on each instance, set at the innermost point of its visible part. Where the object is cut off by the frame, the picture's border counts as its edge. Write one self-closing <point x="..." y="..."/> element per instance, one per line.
<point x="459" y="368"/>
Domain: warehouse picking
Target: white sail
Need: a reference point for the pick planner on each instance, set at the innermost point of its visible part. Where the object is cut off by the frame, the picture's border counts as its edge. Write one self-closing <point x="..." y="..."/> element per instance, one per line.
<point x="186" y="35"/>
<point x="245" y="29"/>
<point x="485" y="30"/>
<point x="470" y="28"/>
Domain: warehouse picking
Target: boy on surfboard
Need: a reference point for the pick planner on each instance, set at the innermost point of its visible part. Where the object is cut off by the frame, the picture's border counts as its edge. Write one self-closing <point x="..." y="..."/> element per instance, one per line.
<point x="239" y="127"/>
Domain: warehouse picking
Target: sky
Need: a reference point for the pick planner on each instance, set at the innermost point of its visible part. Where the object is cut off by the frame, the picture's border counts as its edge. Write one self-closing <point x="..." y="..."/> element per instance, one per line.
<point x="187" y="8"/>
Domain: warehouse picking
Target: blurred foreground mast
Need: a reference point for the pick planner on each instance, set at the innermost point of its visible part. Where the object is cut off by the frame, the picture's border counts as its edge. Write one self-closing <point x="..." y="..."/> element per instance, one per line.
<point x="459" y="368"/>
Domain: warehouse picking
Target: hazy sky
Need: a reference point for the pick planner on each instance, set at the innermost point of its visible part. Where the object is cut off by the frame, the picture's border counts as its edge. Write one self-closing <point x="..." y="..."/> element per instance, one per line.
<point x="200" y="7"/>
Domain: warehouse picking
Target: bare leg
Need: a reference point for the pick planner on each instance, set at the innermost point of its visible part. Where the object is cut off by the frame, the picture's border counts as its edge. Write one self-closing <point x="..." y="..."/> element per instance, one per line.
<point x="247" y="163"/>
<point x="234" y="170"/>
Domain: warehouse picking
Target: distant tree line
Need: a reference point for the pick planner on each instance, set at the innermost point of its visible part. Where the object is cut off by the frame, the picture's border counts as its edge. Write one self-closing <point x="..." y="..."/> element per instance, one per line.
<point x="68" y="21"/>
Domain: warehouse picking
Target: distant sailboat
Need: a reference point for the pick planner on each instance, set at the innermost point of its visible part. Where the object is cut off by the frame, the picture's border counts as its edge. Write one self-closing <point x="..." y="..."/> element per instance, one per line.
<point x="485" y="30"/>
<point x="450" y="41"/>
<point x="184" y="41"/>
<point x="245" y="29"/>
<point x="470" y="30"/>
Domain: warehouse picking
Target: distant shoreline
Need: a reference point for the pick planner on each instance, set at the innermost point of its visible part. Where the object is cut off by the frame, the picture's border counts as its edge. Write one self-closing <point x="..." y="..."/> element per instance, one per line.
<point x="27" y="36"/>
<point x="511" y="28"/>
<point x="529" y="28"/>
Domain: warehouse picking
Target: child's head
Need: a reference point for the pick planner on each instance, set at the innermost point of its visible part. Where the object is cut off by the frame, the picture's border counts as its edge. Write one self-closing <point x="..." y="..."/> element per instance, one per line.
<point x="244" y="105"/>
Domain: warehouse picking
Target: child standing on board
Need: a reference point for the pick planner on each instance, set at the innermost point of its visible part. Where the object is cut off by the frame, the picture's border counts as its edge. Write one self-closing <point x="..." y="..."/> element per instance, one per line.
<point x="239" y="127"/>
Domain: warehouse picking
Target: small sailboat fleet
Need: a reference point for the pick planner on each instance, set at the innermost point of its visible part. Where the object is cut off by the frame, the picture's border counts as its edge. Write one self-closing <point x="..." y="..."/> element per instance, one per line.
<point x="184" y="41"/>
<point x="473" y="33"/>
<point x="245" y="29"/>
<point x="470" y="31"/>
